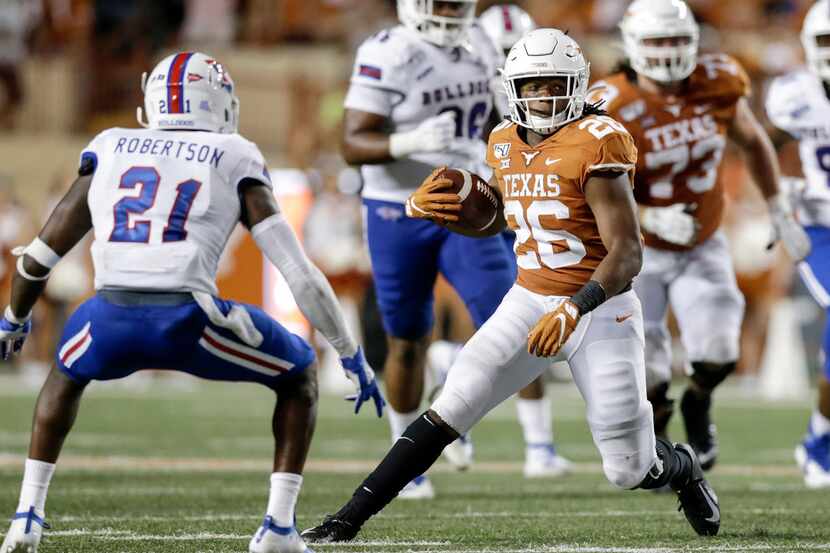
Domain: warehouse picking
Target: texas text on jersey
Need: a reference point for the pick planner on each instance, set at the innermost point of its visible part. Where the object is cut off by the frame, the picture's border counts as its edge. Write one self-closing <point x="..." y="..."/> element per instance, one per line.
<point x="681" y="138"/>
<point x="557" y="246"/>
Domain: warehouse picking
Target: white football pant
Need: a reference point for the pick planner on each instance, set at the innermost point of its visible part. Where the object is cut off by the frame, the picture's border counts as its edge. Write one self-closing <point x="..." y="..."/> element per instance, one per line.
<point x="700" y="286"/>
<point x="605" y="354"/>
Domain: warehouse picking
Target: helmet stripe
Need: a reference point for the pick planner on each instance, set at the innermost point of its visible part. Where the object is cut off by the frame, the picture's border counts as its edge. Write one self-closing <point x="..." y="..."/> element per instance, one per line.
<point x="508" y="21"/>
<point x="175" y="90"/>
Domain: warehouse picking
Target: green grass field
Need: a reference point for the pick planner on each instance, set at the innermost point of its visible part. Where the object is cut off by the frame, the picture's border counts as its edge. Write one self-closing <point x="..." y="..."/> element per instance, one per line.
<point x="168" y="469"/>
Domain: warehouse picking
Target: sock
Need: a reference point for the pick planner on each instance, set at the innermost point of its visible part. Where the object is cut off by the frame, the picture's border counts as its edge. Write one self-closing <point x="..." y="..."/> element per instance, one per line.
<point x="414" y="452"/>
<point x="819" y="424"/>
<point x="285" y="487"/>
<point x="36" y="478"/>
<point x="673" y="467"/>
<point x="399" y="422"/>
<point x="537" y="421"/>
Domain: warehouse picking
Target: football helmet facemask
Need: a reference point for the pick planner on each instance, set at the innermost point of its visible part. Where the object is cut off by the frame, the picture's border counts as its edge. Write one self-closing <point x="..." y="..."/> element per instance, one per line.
<point x="817" y="25"/>
<point x="546" y="53"/>
<point x="643" y="26"/>
<point x="441" y="30"/>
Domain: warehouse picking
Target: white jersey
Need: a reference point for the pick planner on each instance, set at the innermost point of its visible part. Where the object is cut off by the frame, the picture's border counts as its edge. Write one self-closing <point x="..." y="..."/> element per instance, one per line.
<point x="797" y="103"/>
<point x="399" y="75"/>
<point x="163" y="204"/>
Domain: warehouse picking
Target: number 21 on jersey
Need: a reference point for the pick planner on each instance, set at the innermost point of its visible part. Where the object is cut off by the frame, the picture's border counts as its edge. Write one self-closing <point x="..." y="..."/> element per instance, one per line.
<point x="146" y="180"/>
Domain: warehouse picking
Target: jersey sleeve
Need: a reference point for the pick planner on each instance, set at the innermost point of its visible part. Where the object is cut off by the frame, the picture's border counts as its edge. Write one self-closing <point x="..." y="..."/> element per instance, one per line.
<point x="785" y="104"/>
<point x="251" y="165"/>
<point x="498" y="146"/>
<point x="88" y="161"/>
<point x="379" y="80"/>
<point x="728" y="81"/>
<point x="617" y="153"/>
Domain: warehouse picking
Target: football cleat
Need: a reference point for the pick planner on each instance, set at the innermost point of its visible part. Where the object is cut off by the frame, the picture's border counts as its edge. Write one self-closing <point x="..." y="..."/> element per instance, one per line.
<point x="25" y="532"/>
<point x="813" y="457"/>
<point x="542" y="461"/>
<point x="460" y="453"/>
<point x="698" y="500"/>
<point x="330" y="530"/>
<point x="419" y="488"/>
<point x="271" y="538"/>
<point x="700" y="431"/>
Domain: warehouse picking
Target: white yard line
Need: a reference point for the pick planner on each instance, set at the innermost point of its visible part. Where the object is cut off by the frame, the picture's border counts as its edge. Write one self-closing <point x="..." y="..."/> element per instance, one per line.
<point x="84" y="462"/>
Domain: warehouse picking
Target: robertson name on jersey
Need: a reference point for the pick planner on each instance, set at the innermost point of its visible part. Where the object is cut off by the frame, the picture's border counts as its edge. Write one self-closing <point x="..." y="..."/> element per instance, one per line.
<point x="163" y="205"/>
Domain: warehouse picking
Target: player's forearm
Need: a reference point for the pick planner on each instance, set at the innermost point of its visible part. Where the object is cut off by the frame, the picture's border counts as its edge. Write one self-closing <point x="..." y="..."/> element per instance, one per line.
<point x="25" y="293"/>
<point x="762" y="163"/>
<point x="311" y="290"/>
<point x="620" y="266"/>
<point x="366" y="148"/>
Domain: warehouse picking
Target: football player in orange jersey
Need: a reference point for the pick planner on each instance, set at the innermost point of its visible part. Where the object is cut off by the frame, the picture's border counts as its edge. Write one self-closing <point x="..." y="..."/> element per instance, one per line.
<point x="680" y="108"/>
<point x="564" y="174"/>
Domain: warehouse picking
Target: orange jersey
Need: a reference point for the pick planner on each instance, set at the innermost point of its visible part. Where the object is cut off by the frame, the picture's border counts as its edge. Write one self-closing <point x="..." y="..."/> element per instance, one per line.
<point x="680" y="138"/>
<point x="557" y="246"/>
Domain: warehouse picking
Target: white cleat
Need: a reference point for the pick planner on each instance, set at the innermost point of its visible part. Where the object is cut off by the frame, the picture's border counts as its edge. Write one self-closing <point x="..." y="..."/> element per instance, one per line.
<point x="419" y="488"/>
<point x="542" y="461"/>
<point x="815" y="476"/>
<point x="460" y="453"/>
<point x="271" y="538"/>
<point x="24" y="533"/>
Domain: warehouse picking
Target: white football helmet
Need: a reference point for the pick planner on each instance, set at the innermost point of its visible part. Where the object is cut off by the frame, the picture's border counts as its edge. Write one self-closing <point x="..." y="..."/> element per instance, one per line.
<point x="442" y="30"/>
<point x="189" y="90"/>
<point x="816" y="24"/>
<point x="505" y="24"/>
<point x="654" y="19"/>
<point x="546" y="53"/>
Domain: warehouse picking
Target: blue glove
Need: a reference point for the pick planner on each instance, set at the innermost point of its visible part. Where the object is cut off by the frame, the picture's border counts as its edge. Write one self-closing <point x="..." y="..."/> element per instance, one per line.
<point x="363" y="377"/>
<point x="13" y="332"/>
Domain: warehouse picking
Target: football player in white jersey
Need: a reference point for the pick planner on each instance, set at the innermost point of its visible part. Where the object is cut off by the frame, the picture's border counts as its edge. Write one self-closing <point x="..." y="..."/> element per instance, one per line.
<point x="799" y="103"/>
<point x="420" y="97"/>
<point x="161" y="206"/>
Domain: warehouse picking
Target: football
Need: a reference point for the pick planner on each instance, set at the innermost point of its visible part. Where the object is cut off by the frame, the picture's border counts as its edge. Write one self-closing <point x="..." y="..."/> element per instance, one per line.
<point x="479" y="202"/>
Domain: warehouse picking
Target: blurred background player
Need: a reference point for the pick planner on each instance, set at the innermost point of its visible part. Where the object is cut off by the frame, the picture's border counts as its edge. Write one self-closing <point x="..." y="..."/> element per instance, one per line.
<point x="162" y="205"/>
<point x="680" y="108"/>
<point x="563" y="173"/>
<point x="420" y="97"/>
<point x="799" y="104"/>
<point x="505" y="24"/>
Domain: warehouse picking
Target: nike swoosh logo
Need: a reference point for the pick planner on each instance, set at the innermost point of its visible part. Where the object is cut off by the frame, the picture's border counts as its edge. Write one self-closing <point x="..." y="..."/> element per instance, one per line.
<point x="702" y="109"/>
<point x="550" y="161"/>
<point x="715" y="511"/>
<point x="623" y="318"/>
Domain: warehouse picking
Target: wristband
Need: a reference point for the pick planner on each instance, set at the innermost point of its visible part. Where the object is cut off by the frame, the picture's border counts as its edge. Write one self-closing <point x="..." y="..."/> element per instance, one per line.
<point x="589" y="297"/>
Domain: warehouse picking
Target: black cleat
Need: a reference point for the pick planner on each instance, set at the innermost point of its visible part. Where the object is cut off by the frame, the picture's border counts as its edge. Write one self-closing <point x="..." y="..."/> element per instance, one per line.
<point x="331" y="530"/>
<point x="700" y="430"/>
<point x="697" y="498"/>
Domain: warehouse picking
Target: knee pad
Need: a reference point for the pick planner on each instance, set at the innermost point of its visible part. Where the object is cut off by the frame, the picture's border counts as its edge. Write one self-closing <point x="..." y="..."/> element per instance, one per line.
<point x="627" y="449"/>
<point x="709" y="375"/>
<point x="720" y="349"/>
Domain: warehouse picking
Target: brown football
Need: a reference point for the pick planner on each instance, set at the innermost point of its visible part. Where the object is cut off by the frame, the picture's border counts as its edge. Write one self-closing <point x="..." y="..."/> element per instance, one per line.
<point x="479" y="202"/>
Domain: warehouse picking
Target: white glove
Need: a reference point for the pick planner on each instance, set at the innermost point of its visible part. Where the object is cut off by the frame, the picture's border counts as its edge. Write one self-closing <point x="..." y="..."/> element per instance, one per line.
<point x="786" y="229"/>
<point x="432" y="135"/>
<point x="673" y="223"/>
